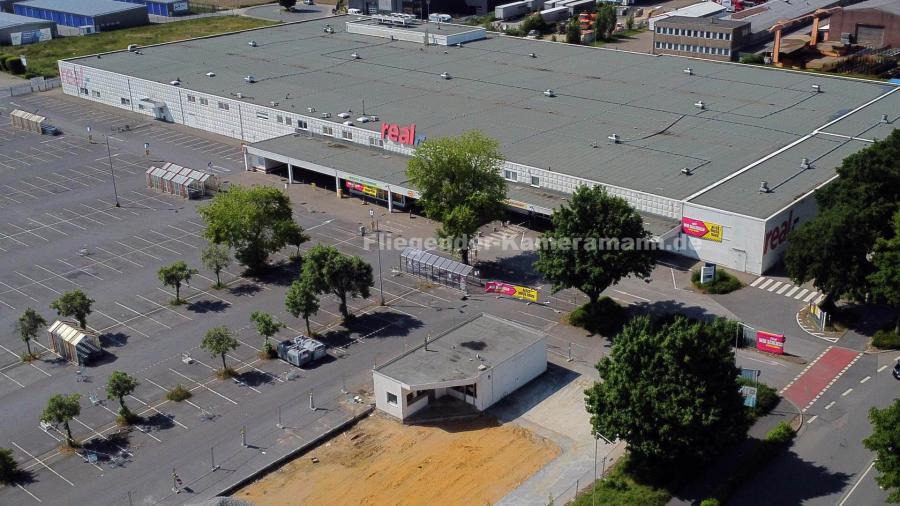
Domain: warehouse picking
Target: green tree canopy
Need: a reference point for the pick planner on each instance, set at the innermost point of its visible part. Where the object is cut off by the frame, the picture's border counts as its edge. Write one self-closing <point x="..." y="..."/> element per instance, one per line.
<point x="216" y="258"/>
<point x="833" y="249"/>
<point x="75" y="304"/>
<point x="328" y="270"/>
<point x="885" y="279"/>
<point x="606" y="21"/>
<point x="461" y="186"/>
<point x="573" y="32"/>
<point x="885" y="442"/>
<point x="28" y="326"/>
<point x="266" y="324"/>
<point x="218" y="341"/>
<point x="174" y="275"/>
<point x="249" y="220"/>
<point x="119" y="385"/>
<point x="293" y="235"/>
<point x="61" y="409"/>
<point x="597" y="239"/>
<point x="670" y="391"/>
<point x="533" y="22"/>
<point x="302" y="300"/>
<point x="9" y="468"/>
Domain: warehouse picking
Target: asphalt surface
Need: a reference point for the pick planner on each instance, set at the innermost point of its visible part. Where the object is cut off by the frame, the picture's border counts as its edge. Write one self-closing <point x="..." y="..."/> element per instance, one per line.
<point x="61" y="230"/>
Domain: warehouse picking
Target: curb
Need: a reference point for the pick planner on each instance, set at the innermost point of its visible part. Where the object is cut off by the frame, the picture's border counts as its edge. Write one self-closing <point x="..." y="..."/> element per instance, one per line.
<point x="228" y="491"/>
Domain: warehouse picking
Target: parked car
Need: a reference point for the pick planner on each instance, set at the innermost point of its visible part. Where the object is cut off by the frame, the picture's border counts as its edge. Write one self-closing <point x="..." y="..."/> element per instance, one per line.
<point x="47" y="129"/>
<point x="354" y="12"/>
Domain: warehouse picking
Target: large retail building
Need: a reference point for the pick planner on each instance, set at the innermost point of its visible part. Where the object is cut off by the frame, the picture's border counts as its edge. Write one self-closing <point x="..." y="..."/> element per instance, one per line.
<point x="722" y="154"/>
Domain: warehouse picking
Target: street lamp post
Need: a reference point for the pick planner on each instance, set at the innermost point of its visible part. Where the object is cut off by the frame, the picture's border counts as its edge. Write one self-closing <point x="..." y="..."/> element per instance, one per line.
<point x="597" y="438"/>
<point x="113" y="174"/>
<point x="380" y="277"/>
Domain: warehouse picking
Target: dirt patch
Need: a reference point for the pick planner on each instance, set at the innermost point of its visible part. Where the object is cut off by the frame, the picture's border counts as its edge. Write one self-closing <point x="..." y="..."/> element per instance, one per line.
<point x="380" y="461"/>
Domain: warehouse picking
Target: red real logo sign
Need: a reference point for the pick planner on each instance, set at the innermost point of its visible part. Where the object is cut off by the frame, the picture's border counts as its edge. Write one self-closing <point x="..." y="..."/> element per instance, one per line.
<point x="779" y="234"/>
<point x="401" y="134"/>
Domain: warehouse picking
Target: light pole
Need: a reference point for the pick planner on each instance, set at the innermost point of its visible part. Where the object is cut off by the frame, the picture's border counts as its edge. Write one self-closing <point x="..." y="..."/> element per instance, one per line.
<point x="597" y="438"/>
<point x="113" y="174"/>
<point x="380" y="277"/>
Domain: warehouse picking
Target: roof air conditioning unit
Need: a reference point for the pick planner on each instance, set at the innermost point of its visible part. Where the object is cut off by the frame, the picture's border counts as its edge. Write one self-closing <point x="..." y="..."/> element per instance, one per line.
<point x="363" y="119"/>
<point x="132" y="48"/>
<point x="459" y="44"/>
<point x="210" y="74"/>
<point x="532" y="55"/>
<point x="482" y="367"/>
<point x="176" y="82"/>
<point x="239" y="95"/>
<point x="354" y="56"/>
<point x="764" y="187"/>
<point x="310" y="109"/>
<point x="614" y="138"/>
<point x="273" y="103"/>
<point x="372" y="117"/>
<point x="549" y="93"/>
<point x="689" y="71"/>
<point x="343" y="115"/>
<point x="700" y="105"/>
<point x="445" y="75"/>
<point x="347" y="123"/>
<point x="329" y="29"/>
<point x="326" y="114"/>
<point x="252" y="43"/>
<point x="884" y="118"/>
<point x="250" y="79"/>
<point x="804" y="164"/>
<point x="686" y="171"/>
<point x="816" y="88"/>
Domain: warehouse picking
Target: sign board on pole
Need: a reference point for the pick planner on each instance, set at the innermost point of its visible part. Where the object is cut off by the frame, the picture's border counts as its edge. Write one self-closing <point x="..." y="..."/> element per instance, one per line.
<point x="519" y="292"/>
<point x="750" y="374"/>
<point x="707" y="273"/>
<point x="749" y="394"/>
<point x="769" y="342"/>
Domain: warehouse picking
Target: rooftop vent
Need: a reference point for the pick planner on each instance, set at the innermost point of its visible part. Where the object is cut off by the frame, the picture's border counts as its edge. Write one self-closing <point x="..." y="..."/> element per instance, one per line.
<point x="700" y="105"/>
<point x="273" y="103"/>
<point x="549" y="93"/>
<point x="804" y="164"/>
<point x="326" y="114"/>
<point x="884" y="118"/>
<point x="482" y="367"/>
<point x="445" y="75"/>
<point x="348" y="123"/>
<point x="343" y="115"/>
<point x="614" y="138"/>
<point x="239" y="95"/>
<point x="764" y="187"/>
<point x="132" y="48"/>
<point x="252" y="43"/>
<point x="250" y="78"/>
<point x="210" y="74"/>
<point x="328" y="29"/>
<point x="459" y="44"/>
<point x="363" y="119"/>
<point x="176" y="82"/>
<point x="310" y="109"/>
<point x="532" y="55"/>
<point x="816" y="88"/>
<point x="355" y="56"/>
<point x="686" y="171"/>
<point x="689" y="71"/>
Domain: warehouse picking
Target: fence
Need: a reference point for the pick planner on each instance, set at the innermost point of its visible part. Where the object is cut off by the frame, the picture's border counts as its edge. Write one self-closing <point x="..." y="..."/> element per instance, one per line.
<point x="36" y="84"/>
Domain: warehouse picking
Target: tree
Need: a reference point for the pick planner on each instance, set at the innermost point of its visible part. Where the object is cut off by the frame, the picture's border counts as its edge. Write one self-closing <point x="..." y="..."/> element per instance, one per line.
<point x="266" y="325"/>
<point x="75" y="304"/>
<point x="118" y="385"/>
<point x="287" y="4"/>
<point x="329" y="270"/>
<point x="218" y="342"/>
<point x="460" y="184"/>
<point x="597" y="239"/>
<point x="301" y="300"/>
<point x="573" y="32"/>
<point x="61" y="409"/>
<point x="533" y="22"/>
<point x="9" y="468"/>
<point x="670" y="391"/>
<point x="216" y="258"/>
<point x="250" y="221"/>
<point x="629" y="22"/>
<point x="174" y="275"/>
<point x="606" y="21"/>
<point x="885" y="280"/>
<point x="294" y="235"/>
<point x="885" y="442"/>
<point x="833" y="249"/>
<point x="28" y="326"/>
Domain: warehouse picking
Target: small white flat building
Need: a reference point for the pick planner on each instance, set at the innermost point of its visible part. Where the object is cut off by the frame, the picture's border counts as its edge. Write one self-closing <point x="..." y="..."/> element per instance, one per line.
<point x="479" y="362"/>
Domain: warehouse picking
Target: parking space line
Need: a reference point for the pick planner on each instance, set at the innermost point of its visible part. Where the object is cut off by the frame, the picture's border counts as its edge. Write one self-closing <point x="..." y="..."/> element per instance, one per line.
<point x="23" y="489"/>
<point x="25" y="231"/>
<point x="11" y="379"/>
<point x="34" y="281"/>
<point x="158" y="245"/>
<point x="136" y="250"/>
<point x="12" y="238"/>
<point x="54" y="183"/>
<point x="75" y="268"/>
<point x="172" y="238"/>
<point x="14" y="289"/>
<point x="157" y="304"/>
<point x="176" y="422"/>
<point x="23" y="450"/>
<point x="60" y="219"/>
<point x="119" y="257"/>
<point x="119" y="323"/>
<point x="204" y="386"/>
<point x="142" y="314"/>
<point x="186" y="401"/>
<point x="57" y="275"/>
<point x="69" y="178"/>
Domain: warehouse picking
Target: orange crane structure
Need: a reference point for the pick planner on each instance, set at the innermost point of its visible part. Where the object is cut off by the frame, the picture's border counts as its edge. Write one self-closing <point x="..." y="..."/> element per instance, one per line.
<point x="783" y="24"/>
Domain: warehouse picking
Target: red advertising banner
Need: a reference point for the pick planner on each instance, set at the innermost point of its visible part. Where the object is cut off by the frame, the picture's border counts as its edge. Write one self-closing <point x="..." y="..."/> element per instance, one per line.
<point x="519" y="292"/>
<point x="769" y="342"/>
<point x="702" y="229"/>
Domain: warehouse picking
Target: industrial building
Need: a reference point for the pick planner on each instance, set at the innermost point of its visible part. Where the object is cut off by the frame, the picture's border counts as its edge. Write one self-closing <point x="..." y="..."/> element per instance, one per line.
<point x="18" y="30"/>
<point x="478" y="362"/>
<point x="873" y="23"/>
<point x="164" y="8"/>
<point x="699" y="10"/>
<point x="724" y="156"/>
<point x="86" y="16"/>
<point x="716" y="39"/>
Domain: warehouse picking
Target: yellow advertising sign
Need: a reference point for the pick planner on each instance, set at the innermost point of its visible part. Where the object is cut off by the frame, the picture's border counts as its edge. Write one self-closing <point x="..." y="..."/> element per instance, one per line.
<point x="702" y="229"/>
<point x="525" y="293"/>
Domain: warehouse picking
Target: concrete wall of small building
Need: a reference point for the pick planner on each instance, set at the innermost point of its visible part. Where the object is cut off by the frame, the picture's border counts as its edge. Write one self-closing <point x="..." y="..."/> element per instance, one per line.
<point x="5" y="33"/>
<point x="124" y="19"/>
<point x="741" y="247"/>
<point x="504" y="378"/>
<point x="848" y="21"/>
<point x="384" y="385"/>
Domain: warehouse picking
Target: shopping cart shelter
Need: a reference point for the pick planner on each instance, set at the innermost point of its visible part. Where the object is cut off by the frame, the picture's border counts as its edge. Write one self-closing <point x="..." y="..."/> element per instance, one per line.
<point x="181" y="181"/>
<point x="72" y="343"/>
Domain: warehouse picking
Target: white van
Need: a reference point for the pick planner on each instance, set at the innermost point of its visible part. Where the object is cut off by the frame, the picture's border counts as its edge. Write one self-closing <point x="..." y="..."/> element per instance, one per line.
<point x="354" y="12"/>
<point x="439" y="18"/>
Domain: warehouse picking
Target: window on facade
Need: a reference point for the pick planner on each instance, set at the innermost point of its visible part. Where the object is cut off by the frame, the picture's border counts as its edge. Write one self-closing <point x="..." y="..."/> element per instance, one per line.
<point x="391" y="399"/>
<point x="302" y="124"/>
<point x="535" y="181"/>
<point x="727" y="52"/>
<point x="375" y="141"/>
<point x="204" y="101"/>
<point x="96" y="93"/>
<point x="327" y="130"/>
<point x="347" y="135"/>
<point x="279" y="118"/>
<point x="287" y="120"/>
<point x="192" y="99"/>
<point x="262" y="115"/>
<point x="223" y="106"/>
<point x="510" y="175"/>
<point x="727" y="36"/>
<point x="140" y="107"/>
<point x="126" y="101"/>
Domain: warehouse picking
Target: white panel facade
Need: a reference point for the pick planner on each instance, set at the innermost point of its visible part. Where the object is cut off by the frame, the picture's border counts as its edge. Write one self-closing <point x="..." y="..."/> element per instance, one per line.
<point x="773" y="243"/>
<point x="384" y="386"/>
<point x="504" y="378"/>
<point x="740" y="248"/>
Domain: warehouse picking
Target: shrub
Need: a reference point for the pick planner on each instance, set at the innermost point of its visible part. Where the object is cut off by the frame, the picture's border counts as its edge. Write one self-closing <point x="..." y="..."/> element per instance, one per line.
<point x="178" y="394"/>
<point x="752" y="58"/>
<point x="781" y="434"/>
<point x="709" y="502"/>
<point x="606" y="317"/>
<point x="3" y="62"/>
<point x="886" y="339"/>
<point x="14" y="65"/>
<point x="722" y="283"/>
<point x="620" y="487"/>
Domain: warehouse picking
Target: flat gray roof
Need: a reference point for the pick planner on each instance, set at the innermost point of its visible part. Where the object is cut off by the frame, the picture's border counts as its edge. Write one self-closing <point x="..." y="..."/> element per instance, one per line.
<point x="749" y="111"/>
<point x="417" y="26"/>
<point x="10" y="20"/>
<point x="456" y="354"/>
<point x="891" y="6"/>
<point x="684" y="20"/>
<point x="83" y="7"/>
<point x="769" y="13"/>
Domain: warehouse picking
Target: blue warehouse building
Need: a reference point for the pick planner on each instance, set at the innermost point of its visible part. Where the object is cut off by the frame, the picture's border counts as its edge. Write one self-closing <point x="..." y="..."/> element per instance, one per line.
<point x="87" y="15"/>
<point x="167" y="8"/>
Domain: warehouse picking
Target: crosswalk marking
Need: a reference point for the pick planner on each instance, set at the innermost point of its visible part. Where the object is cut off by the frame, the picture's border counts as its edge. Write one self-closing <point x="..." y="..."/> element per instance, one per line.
<point x="787" y="289"/>
<point x="783" y="289"/>
<point x="757" y="281"/>
<point x="764" y="285"/>
<point x="775" y="285"/>
<point x="810" y="296"/>
<point x="791" y="293"/>
<point x="801" y="294"/>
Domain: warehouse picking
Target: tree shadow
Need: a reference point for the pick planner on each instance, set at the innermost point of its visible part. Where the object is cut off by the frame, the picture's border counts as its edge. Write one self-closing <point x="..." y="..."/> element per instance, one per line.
<point x="113" y="340"/>
<point x="245" y="289"/>
<point x="22" y="477"/>
<point x="109" y="448"/>
<point x="105" y="357"/>
<point x="207" y="306"/>
<point x="372" y="325"/>
<point x="280" y="273"/>
<point x="160" y="421"/>
<point x="801" y="481"/>
<point x="256" y="378"/>
<point x="666" y="308"/>
<point x="515" y="269"/>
